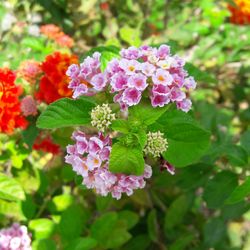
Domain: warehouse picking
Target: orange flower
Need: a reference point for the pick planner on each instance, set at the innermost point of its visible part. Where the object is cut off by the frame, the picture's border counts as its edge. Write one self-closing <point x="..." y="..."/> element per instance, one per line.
<point x="29" y="70"/>
<point x="54" y="83"/>
<point x="50" y="30"/>
<point x="241" y="12"/>
<point x="10" y="111"/>
<point x="55" y="33"/>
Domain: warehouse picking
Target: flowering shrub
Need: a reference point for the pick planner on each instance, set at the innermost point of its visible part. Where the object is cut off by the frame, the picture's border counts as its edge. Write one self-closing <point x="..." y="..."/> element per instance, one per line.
<point x="10" y="110"/>
<point x="122" y="166"/>
<point x="15" y="237"/>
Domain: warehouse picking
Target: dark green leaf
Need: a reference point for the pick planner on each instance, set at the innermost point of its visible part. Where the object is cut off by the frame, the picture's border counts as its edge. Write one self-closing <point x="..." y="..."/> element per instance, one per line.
<point x="127" y="160"/>
<point x="187" y="140"/>
<point x="219" y="188"/>
<point x="85" y="243"/>
<point x="65" y="113"/>
<point x="214" y="232"/>
<point x="153" y="230"/>
<point x="130" y="217"/>
<point x="240" y="192"/>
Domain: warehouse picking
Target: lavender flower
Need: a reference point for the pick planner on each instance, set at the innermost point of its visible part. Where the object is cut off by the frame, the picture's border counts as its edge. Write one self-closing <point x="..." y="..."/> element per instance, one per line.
<point x="15" y="237"/>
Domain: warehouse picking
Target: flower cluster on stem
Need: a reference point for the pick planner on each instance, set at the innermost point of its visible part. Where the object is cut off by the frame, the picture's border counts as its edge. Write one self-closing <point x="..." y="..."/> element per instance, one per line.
<point x="89" y="157"/>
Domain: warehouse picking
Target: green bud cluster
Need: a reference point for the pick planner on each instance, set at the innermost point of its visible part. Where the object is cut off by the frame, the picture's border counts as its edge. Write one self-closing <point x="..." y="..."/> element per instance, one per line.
<point x="102" y="117"/>
<point x="156" y="144"/>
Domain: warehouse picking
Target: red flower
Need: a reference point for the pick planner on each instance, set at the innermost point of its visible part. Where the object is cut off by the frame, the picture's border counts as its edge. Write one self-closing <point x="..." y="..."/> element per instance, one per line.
<point x="10" y="112"/>
<point x="46" y="145"/>
<point x="241" y="13"/>
<point x="54" y="83"/>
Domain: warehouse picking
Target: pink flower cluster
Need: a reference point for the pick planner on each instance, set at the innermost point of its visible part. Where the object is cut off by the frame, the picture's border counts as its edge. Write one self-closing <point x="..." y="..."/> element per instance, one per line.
<point x="28" y="106"/>
<point x="138" y="70"/>
<point x="87" y="78"/>
<point x="89" y="157"/>
<point x="15" y="237"/>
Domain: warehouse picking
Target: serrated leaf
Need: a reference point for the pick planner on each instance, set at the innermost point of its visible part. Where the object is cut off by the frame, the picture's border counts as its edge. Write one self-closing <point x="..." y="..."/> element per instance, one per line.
<point x="120" y="126"/>
<point x="187" y="140"/>
<point x="141" y="137"/>
<point x="219" y="188"/>
<point x="64" y="113"/>
<point x="240" y="192"/>
<point x="146" y="114"/>
<point x="127" y="160"/>
<point x="10" y="189"/>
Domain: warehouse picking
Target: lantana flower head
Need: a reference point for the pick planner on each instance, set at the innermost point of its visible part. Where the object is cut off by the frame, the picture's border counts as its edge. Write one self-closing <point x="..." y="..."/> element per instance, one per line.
<point x="15" y="237"/>
<point x="139" y="70"/>
<point x="28" y="106"/>
<point x="45" y="143"/>
<point x="102" y="117"/>
<point x="54" y="83"/>
<point x="55" y="33"/>
<point x="89" y="157"/>
<point x="86" y="78"/>
<point x="10" y="107"/>
<point x="29" y="70"/>
<point x="240" y="14"/>
<point x="156" y="144"/>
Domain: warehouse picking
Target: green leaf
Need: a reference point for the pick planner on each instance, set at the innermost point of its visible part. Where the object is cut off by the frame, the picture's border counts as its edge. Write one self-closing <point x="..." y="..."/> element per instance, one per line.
<point x="61" y="202"/>
<point x="130" y="217"/>
<point x="146" y="114"/>
<point x="130" y="35"/>
<point x="71" y="223"/>
<point x="219" y="188"/>
<point x="176" y="212"/>
<point x="214" y="232"/>
<point x="127" y="160"/>
<point x="29" y="135"/>
<point x="65" y="113"/>
<point x="245" y="141"/>
<point x="106" y="57"/>
<point x="83" y="243"/>
<point x="183" y="242"/>
<point x="42" y="228"/>
<point x="100" y="229"/>
<point x="236" y="155"/>
<point x="187" y="141"/>
<point x="153" y="230"/>
<point x="240" y="192"/>
<point x="141" y="135"/>
<point x="141" y="242"/>
<point x="120" y="126"/>
<point x="44" y="244"/>
<point x="199" y="75"/>
<point x="109" y="231"/>
<point x="10" y="189"/>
